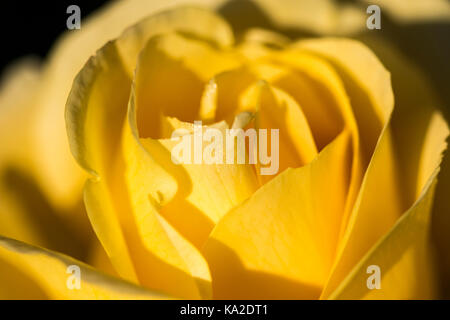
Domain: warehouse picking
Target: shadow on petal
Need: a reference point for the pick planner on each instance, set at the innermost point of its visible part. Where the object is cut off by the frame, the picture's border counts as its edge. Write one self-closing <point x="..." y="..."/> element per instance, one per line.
<point x="66" y="232"/>
<point x="232" y="280"/>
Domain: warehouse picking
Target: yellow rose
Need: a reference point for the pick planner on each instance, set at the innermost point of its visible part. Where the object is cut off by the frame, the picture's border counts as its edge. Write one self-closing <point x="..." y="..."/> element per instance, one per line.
<point x="355" y="184"/>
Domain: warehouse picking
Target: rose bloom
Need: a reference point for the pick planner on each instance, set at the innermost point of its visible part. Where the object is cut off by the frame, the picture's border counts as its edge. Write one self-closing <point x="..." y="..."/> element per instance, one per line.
<point x="361" y="145"/>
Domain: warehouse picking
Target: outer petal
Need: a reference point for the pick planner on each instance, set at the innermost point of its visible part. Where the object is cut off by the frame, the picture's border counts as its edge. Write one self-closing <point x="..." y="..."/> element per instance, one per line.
<point x="17" y="92"/>
<point x="281" y="242"/>
<point x="59" y="175"/>
<point x="368" y="85"/>
<point x="329" y="17"/>
<point x="419" y="135"/>
<point x="414" y="11"/>
<point x="25" y="212"/>
<point x="404" y="257"/>
<point x="28" y="272"/>
<point x="383" y="173"/>
<point x="95" y="118"/>
<point x="19" y="86"/>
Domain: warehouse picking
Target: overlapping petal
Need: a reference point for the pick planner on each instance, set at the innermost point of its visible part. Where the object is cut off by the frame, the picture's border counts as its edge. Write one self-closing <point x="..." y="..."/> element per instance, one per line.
<point x="128" y="225"/>
<point x="281" y="242"/>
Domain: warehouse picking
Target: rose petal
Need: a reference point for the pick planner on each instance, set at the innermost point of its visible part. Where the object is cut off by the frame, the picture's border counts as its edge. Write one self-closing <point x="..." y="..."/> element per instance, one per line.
<point x="205" y="192"/>
<point x="329" y="18"/>
<point x="281" y="242"/>
<point x="415" y="11"/>
<point x="368" y="86"/>
<point x="176" y="265"/>
<point x="95" y="117"/>
<point x="25" y="211"/>
<point x="275" y="109"/>
<point x="28" y="272"/>
<point x="404" y="257"/>
<point x="221" y="99"/>
<point x="170" y="78"/>
<point x="16" y="110"/>
<point x="416" y="106"/>
<point x="59" y="175"/>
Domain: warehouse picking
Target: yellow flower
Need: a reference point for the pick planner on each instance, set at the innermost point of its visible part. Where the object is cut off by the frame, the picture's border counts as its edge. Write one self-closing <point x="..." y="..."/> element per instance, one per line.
<point x="356" y="180"/>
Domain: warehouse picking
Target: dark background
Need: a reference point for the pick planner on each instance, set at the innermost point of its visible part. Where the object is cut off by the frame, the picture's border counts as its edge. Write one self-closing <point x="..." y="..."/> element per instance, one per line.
<point x="31" y="27"/>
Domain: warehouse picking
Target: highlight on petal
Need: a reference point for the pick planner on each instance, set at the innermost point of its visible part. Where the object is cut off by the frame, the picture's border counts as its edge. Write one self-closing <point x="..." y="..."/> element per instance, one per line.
<point x="28" y="272"/>
<point x="280" y="243"/>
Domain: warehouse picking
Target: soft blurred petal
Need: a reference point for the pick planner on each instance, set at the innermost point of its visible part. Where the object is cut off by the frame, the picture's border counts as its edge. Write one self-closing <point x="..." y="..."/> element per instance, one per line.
<point x="329" y="18"/>
<point x="28" y="272"/>
<point x="25" y="212"/>
<point x="18" y="89"/>
<point x="415" y="10"/>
